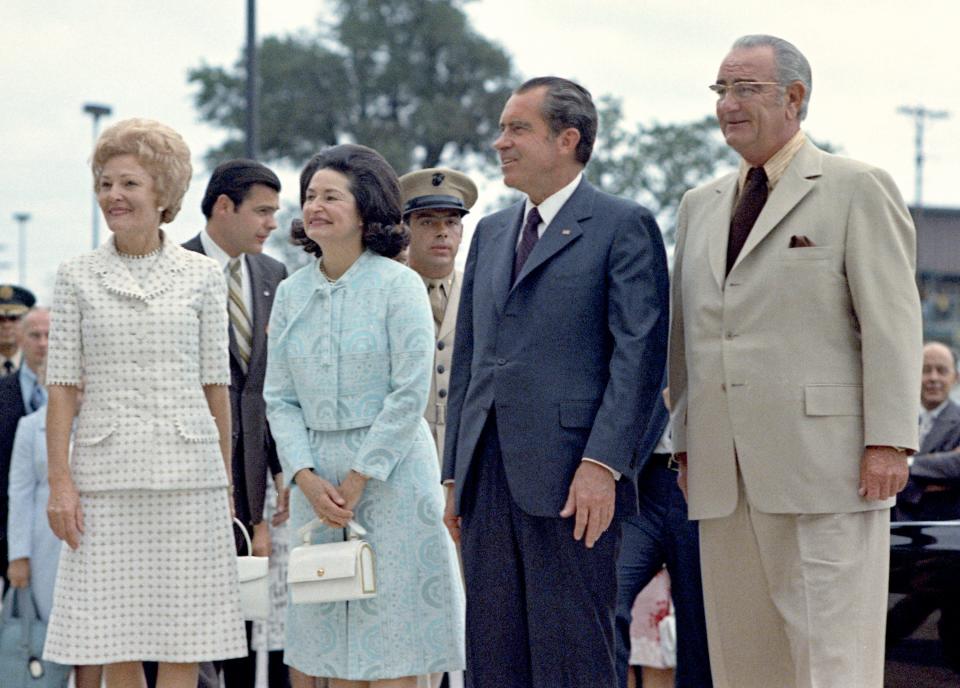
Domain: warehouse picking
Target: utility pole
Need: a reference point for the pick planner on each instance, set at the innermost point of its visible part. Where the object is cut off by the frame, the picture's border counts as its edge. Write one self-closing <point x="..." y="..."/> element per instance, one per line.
<point x="253" y="110"/>
<point x="22" y="219"/>
<point x="96" y="111"/>
<point x="920" y="115"/>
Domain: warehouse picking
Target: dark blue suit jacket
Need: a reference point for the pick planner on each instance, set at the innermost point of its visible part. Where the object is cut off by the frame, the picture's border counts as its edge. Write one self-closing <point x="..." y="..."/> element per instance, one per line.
<point x="659" y="417"/>
<point x="570" y="356"/>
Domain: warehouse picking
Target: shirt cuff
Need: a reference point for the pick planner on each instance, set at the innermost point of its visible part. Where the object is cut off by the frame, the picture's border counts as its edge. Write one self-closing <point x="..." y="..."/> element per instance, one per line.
<point x="616" y="473"/>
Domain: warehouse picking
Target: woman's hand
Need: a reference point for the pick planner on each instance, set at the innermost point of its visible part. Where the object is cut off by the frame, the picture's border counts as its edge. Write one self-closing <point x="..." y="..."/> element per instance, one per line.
<point x="64" y="513"/>
<point x="352" y="489"/>
<point x="327" y="502"/>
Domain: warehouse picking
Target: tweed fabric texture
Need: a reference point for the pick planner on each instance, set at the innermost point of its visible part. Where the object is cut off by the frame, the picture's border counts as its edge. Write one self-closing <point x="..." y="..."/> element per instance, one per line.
<point x="144" y="348"/>
<point x="154" y="578"/>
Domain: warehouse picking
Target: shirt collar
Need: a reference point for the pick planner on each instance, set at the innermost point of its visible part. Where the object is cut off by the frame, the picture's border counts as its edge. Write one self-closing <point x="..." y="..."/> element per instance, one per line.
<point x="551" y="205"/>
<point x="446" y="282"/>
<point x="935" y="413"/>
<point x="26" y="373"/>
<point x="778" y="162"/>
<point x="212" y="249"/>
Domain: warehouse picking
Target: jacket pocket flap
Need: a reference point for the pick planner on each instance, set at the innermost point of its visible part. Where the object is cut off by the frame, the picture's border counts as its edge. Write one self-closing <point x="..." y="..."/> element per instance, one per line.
<point x="198" y="428"/>
<point x="94" y="432"/>
<point x="330" y="561"/>
<point x="833" y="400"/>
<point x="252" y="568"/>
<point x="577" y="414"/>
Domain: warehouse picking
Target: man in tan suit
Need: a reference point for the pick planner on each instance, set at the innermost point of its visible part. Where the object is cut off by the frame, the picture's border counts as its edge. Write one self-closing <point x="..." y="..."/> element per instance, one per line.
<point x="434" y="202"/>
<point x="795" y="354"/>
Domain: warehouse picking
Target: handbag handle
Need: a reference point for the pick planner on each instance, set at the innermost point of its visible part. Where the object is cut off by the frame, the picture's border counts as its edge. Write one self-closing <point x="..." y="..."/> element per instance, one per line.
<point x="246" y="535"/>
<point x="356" y="531"/>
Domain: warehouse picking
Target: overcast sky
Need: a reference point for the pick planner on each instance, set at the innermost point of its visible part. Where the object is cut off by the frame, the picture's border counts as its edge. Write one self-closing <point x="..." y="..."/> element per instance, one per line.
<point x="868" y="58"/>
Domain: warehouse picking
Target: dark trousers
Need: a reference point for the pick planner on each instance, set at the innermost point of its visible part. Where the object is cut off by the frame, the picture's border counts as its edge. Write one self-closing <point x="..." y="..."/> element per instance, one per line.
<point x="662" y="535"/>
<point x="540" y="605"/>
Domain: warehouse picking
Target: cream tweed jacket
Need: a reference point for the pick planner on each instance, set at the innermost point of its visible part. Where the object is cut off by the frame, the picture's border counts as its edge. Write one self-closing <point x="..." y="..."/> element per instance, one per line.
<point x="143" y="353"/>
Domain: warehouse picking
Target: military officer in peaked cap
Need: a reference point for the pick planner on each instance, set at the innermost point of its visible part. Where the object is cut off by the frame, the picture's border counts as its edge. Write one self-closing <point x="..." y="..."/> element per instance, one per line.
<point x="14" y="303"/>
<point x="434" y="203"/>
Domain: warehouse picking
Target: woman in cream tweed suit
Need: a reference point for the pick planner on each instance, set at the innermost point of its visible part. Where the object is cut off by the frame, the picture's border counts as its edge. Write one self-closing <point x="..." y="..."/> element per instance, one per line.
<point x="143" y="504"/>
<point x="348" y="373"/>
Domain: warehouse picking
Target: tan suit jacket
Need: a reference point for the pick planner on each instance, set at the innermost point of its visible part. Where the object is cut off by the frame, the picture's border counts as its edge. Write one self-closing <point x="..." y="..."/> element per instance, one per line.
<point x="799" y="357"/>
<point x="436" y="413"/>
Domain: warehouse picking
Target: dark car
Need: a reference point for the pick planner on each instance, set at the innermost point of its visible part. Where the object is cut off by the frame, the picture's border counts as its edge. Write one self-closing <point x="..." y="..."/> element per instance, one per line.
<point x="923" y="621"/>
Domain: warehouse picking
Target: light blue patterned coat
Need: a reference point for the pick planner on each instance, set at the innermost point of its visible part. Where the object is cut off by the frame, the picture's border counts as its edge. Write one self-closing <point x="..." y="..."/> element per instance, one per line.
<point x="348" y="375"/>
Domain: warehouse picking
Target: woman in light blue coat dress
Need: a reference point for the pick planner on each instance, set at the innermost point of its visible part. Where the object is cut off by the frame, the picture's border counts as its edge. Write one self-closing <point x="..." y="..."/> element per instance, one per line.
<point x="348" y="375"/>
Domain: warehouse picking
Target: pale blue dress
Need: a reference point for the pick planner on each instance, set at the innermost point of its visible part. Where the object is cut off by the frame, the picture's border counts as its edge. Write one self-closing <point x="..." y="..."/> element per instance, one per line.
<point x="347" y="380"/>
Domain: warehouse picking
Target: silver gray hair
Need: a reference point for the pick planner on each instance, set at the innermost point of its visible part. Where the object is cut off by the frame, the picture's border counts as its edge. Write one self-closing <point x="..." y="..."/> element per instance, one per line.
<point x="791" y="64"/>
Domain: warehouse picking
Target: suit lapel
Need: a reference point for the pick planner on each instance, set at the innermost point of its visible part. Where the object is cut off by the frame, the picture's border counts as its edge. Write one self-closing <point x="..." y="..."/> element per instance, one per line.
<point x="449" y="323"/>
<point x="503" y="244"/>
<point x="564" y="229"/>
<point x="797" y="181"/>
<point x="260" y="292"/>
<point x="720" y="229"/>
<point x="944" y="424"/>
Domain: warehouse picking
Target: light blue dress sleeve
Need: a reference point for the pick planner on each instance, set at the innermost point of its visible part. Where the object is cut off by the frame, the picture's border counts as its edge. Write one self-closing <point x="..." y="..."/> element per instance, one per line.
<point x="22" y="491"/>
<point x="287" y="423"/>
<point x="410" y="338"/>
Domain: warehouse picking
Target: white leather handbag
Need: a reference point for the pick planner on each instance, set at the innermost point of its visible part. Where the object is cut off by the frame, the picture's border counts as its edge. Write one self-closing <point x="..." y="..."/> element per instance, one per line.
<point x="333" y="571"/>
<point x="254" y="581"/>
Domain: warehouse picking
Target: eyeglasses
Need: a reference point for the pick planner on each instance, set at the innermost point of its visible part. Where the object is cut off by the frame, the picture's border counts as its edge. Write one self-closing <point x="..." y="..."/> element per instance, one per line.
<point x="742" y="90"/>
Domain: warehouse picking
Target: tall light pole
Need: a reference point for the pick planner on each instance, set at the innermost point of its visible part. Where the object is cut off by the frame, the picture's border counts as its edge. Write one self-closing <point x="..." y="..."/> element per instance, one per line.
<point x="22" y="219"/>
<point x="253" y="97"/>
<point x="920" y="115"/>
<point x="96" y="110"/>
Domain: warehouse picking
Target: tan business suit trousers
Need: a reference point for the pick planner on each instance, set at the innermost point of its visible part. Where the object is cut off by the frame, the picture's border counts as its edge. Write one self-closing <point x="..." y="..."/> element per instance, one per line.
<point x="795" y="600"/>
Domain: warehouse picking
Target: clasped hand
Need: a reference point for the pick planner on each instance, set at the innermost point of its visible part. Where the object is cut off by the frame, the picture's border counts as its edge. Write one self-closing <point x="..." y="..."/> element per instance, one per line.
<point x="334" y="506"/>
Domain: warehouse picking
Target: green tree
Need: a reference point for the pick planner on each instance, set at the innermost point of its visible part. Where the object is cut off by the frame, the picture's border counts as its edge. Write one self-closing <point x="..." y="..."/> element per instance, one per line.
<point x="655" y="164"/>
<point x="410" y="78"/>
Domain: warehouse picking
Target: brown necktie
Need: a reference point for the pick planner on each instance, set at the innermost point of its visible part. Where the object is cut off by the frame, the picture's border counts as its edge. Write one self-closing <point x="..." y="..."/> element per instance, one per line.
<point x="438" y="300"/>
<point x="748" y="208"/>
<point x="528" y="239"/>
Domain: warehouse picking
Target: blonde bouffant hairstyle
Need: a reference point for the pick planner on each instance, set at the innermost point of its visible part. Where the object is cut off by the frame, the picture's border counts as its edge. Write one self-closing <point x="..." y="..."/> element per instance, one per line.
<point x="160" y="150"/>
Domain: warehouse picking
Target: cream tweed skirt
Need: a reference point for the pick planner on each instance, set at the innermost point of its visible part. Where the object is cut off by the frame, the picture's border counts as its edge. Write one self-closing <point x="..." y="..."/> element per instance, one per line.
<point x="154" y="579"/>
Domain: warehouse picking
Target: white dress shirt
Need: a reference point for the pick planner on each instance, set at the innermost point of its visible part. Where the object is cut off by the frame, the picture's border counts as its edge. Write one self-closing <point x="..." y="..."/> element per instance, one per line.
<point x="212" y="249"/>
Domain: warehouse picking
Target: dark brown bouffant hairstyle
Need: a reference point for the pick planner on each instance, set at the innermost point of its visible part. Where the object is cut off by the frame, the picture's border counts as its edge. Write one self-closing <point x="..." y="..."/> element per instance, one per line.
<point x="375" y="188"/>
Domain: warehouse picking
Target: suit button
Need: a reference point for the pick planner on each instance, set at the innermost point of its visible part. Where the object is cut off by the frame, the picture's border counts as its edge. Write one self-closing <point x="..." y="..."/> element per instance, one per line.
<point x="442" y="393"/>
<point x="729" y="335"/>
<point x="440" y="345"/>
<point x="501" y="361"/>
<point x="723" y="386"/>
<point x="440" y="369"/>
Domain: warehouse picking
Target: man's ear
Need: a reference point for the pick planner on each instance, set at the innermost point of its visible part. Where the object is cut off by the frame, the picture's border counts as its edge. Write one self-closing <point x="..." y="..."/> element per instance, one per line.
<point x="795" y="94"/>
<point x="569" y="138"/>
<point x="223" y="204"/>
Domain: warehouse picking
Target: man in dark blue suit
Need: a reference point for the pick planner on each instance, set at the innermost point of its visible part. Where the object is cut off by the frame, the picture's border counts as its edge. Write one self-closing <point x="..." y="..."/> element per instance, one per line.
<point x="559" y="353"/>
<point x="661" y="534"/>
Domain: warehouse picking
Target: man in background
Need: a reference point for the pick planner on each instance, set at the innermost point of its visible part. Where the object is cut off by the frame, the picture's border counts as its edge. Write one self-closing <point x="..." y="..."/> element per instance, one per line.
<point x="240" y="202"/>
<point x="21" y="393"/>
<point x="14" y="303"/>
<point x="434" y="203"/>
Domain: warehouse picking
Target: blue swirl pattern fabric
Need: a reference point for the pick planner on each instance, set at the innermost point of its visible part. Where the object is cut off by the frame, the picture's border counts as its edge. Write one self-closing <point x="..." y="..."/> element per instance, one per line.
<point x="347" y="381"/>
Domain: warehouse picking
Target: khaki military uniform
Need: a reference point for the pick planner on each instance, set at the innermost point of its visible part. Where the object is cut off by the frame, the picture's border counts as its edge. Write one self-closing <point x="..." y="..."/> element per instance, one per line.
<point x="436" y="413"/>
